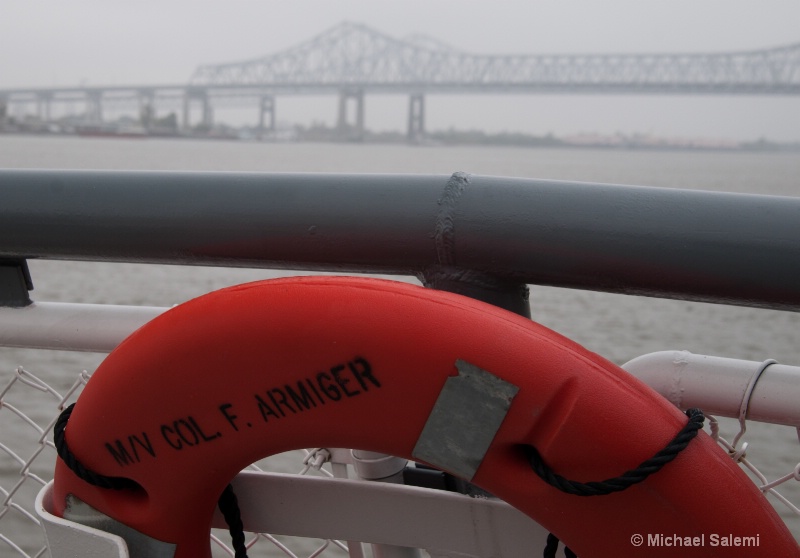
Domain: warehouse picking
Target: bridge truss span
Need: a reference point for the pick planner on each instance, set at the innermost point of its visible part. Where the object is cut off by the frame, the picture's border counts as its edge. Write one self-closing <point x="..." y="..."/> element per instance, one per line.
<point x="353" y="55"/>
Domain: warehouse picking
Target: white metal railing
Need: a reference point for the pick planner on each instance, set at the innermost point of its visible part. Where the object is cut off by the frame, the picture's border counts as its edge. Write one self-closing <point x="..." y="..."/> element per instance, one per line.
<point x="747" y="391"/>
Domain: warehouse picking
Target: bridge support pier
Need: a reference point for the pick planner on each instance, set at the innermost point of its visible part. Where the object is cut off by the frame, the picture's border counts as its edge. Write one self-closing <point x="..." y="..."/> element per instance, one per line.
<point x="208" y="113"/>
<point x="43" y="105"/>
<point x="346" y="130"/>
<point x="186" y="120"/>
<point x="147" y="108"/>
<point x="94" y="107"/>
<point x="416" y="118"/>
<point x="207" y="119"/>
<point x="266" y="107"/>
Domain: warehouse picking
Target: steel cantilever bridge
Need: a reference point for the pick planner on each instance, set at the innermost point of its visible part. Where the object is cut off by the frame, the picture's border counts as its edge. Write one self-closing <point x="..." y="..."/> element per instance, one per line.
<point x="352" y="60"/>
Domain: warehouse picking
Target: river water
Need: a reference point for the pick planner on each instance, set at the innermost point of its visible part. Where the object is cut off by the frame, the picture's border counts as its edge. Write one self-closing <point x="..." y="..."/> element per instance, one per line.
<point x="615" y="326"/>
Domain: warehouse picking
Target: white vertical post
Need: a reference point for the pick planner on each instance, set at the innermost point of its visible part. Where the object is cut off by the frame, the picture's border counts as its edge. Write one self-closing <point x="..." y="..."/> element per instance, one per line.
<point x="379" y="467"/>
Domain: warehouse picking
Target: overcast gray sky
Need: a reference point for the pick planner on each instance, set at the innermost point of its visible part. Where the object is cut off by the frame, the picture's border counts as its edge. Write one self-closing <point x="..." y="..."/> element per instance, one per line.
<point x="53" y="43"/>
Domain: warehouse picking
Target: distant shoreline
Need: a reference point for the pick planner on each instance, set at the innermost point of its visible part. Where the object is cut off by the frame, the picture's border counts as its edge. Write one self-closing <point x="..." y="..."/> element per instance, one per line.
<point x="451" y="137"/>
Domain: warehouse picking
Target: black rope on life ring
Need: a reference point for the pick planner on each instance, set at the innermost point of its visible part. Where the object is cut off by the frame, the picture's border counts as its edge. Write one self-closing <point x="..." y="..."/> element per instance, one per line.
<point x="228" y="503"/>
<point x="628" y="478"/>
<point x="616" y="484"/>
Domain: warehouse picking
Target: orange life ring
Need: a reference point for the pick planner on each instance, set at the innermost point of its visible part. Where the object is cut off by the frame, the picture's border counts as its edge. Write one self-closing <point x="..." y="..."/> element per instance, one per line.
<point x="214" y="384"/>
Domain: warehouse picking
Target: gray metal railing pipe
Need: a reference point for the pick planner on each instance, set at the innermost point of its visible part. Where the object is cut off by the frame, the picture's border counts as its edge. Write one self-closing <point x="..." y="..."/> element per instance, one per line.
<point x="716" y="247"/>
